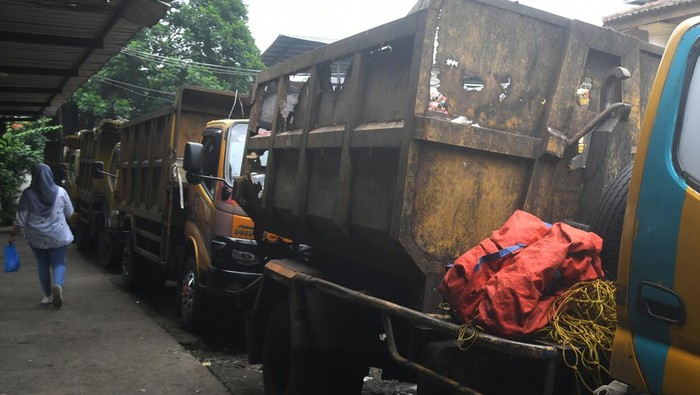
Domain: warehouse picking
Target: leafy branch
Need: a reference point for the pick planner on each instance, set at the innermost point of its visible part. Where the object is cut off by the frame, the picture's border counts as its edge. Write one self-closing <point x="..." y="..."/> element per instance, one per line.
<point x="21" y="147"/>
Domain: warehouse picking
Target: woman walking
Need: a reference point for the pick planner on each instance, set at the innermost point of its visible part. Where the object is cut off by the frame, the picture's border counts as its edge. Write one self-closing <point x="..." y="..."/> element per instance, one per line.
<point x="41" y="217"/>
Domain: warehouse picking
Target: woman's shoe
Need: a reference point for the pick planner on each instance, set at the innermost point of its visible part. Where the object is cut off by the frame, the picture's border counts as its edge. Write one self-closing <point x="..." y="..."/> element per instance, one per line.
<point x="57" y="296"/>
<point x="47" y="300"/>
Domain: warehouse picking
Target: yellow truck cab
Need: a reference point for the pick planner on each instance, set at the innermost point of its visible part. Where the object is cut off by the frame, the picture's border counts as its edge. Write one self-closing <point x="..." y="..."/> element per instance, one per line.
<point x="230" y="264"/>
<point x="223" y="256"/>
<point x="657" y="341"/>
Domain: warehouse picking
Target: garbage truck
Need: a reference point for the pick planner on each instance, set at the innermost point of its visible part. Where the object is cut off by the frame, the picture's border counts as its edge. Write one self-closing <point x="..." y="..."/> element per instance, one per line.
<point x="95" y="204"/>
<point x="194" y="234"/>
<point x="393" y="151"/>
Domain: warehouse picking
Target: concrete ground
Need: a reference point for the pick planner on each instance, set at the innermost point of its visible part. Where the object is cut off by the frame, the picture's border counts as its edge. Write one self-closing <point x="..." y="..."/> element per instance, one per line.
<point x="99" y="342"/>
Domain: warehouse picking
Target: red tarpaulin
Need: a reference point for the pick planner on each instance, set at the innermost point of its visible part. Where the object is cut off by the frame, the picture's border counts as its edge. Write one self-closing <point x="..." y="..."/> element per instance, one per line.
<point x="508" y="282"/>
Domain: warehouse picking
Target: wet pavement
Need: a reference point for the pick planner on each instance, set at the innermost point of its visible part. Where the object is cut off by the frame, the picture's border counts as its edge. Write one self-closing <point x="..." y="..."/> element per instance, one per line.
<point x="108" y="341"/>
<point x="100" y="341"/>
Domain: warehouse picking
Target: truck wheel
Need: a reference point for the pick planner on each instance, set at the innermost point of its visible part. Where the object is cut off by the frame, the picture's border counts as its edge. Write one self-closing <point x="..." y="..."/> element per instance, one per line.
<point x="191" y="296"/>
<point x="289" y="371"/>
<point x="157" y="276"/>
<point x="277" y="352"/>
<point x="83" y="239"/>
<point x="608" y="218"/>
<point x="132" y="268"/>
<point x="107" y="251"/>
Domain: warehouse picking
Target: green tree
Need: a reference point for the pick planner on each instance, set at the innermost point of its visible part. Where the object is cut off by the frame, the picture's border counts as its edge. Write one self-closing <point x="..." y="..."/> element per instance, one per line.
<point x="181" y="49"/>
<point x="21" y="147"/>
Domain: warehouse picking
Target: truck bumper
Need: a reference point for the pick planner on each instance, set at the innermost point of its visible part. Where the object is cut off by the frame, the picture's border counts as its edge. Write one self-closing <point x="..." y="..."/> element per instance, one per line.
<point x="228" y="283"/>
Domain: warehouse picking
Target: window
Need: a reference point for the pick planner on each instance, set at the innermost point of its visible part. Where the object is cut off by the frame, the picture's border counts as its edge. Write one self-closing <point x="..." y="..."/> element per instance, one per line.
<point x="210" y="152"/>
<point x="689" y="139"/>
<point x="234" y="151"/>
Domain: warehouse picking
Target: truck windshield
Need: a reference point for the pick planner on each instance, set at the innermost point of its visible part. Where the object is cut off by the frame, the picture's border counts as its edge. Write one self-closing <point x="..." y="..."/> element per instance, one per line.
<point x="234" y="150"/>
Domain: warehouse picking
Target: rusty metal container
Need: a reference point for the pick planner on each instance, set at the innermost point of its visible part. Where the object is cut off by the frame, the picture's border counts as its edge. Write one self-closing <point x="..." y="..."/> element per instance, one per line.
<point x="399" y="148"/>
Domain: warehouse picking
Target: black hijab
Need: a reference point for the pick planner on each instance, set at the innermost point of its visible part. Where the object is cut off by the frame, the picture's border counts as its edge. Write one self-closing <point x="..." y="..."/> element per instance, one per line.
<point x="41" y="193"/>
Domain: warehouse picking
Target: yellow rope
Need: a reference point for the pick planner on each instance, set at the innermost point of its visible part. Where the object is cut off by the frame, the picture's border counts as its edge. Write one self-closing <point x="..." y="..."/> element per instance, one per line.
<point x="464" y="341"/>
<point x="583" y="320"/>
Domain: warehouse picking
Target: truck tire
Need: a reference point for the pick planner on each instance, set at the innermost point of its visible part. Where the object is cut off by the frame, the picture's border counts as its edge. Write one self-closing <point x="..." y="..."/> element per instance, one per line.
<point x="132" y="267"/>
<point x="108" y="251"/>
<point x="157" y="277"/>
<point x="83" y="238"/>
<point x="277" y="352"/>
<point x="290" y="371"/>
<point x="191" y="297"/>
<point x="608" y="218"/>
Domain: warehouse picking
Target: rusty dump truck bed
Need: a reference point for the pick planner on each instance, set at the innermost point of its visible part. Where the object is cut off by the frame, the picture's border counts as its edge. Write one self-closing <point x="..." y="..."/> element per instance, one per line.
<point x="154" y="143"/>
<point x="401" y="147"/>
<point x="152" y="147"/>
<point x="95" y="147"/>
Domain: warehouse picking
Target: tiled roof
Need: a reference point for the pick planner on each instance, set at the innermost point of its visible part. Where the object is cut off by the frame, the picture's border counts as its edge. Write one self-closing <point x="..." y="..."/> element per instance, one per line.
<point x="651" y="7"/>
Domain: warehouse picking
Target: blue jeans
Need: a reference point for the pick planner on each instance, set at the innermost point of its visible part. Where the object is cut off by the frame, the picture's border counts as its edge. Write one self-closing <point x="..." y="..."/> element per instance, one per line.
<point x="54" y="258"/>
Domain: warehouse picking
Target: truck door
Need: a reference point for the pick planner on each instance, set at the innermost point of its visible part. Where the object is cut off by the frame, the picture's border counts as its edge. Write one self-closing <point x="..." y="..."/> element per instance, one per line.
<point x="660" y="255"/>
<point x="240" y="226"/>
<point x="202" y="214"/>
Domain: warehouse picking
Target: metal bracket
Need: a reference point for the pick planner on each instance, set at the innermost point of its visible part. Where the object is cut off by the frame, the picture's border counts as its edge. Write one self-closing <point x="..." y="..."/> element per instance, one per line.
<point x="606" y="120"/>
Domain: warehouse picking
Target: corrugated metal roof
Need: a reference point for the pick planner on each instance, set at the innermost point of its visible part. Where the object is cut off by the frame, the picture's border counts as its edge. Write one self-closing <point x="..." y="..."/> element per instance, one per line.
<point x="287" y="46"/>
<point x="648" y="8"/>
<point x="51" y="47"/>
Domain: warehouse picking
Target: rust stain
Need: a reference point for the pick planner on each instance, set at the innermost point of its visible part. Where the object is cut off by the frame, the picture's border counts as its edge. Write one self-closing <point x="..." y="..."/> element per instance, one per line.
<point x="461" y="196"/>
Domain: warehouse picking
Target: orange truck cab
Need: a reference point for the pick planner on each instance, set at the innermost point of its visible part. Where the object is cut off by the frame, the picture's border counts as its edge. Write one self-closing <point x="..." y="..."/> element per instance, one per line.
<point x="223" y="254"/>
<point x="227" y="253"/>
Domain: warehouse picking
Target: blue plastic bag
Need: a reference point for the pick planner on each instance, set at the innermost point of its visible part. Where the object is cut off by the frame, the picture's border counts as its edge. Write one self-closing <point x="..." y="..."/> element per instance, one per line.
<point x="11" y="258"/>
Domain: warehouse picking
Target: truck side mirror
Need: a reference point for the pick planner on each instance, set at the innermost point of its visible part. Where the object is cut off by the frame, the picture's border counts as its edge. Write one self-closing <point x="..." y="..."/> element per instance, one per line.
<point x="98" y="170"/>
<point x="192" y="162"/>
